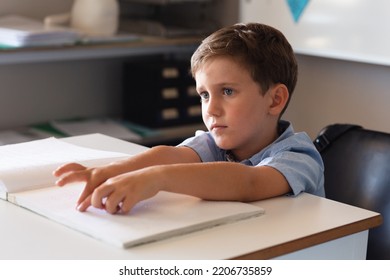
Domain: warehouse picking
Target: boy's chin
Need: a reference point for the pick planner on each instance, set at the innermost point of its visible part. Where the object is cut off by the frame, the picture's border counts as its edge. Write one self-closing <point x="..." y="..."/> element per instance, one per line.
<point x="224" y="145"/>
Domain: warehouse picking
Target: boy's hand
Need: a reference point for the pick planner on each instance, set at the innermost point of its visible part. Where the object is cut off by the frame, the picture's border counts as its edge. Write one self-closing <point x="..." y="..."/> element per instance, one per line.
<point x="74" y="172"/>
<point x="116" y="194"/>
<point x="119" y="194"/>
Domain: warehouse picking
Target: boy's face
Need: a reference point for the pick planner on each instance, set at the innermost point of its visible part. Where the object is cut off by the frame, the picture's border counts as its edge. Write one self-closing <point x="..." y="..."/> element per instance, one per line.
<point x="233" y="107"/>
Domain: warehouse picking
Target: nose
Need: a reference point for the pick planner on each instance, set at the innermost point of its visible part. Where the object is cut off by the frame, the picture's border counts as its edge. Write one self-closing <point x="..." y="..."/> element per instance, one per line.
<point x="213" y="107"/>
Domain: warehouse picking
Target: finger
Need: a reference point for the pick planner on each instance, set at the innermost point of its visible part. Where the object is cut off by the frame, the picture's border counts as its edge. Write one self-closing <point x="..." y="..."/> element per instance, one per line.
<point x="127" y="204"/>
<point x="83" y="205"/>
<point x="68" y="168"/>
<point x="86" y="193"/>
<point x="97" y="196"/>
<point x="113" y="203"/>
<point x="77" y="176"/>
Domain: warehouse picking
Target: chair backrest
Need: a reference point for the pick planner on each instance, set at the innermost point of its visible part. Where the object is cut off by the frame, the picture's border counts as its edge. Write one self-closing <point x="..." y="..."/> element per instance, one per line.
<point x="357" y="172"/>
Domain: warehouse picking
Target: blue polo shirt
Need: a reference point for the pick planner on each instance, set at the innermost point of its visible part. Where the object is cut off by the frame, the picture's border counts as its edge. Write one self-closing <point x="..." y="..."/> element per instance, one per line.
<point x="292" y="154"/>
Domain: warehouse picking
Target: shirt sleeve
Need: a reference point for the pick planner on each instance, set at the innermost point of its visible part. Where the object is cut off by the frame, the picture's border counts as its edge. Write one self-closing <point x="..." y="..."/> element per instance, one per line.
<point x="301" y="165"/>
<point x="203" y="144"/>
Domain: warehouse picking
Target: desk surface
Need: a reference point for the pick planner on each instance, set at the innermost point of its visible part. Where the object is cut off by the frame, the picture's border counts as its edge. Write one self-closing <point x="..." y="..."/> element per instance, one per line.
<point x="289" y="224"/>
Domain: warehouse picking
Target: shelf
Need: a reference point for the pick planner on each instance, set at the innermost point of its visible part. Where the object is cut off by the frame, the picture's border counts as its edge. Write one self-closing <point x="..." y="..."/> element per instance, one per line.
<point x="143" y="46"/>
<point x="165" y="136"/>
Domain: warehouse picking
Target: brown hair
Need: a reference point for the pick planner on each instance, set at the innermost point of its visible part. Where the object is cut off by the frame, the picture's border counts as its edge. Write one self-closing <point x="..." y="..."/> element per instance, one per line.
<point x="262" y="49"/>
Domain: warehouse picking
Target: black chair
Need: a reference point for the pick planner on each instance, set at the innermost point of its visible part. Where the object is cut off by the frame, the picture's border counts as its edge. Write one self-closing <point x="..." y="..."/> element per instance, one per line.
<point x="357" y="172"/>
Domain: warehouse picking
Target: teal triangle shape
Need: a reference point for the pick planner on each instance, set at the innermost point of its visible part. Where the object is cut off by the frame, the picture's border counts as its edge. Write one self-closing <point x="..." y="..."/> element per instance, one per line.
<point x="297" y="7"/>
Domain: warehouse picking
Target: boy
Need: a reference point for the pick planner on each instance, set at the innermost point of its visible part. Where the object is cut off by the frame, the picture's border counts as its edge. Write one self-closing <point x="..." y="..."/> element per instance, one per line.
<point x="245" y="75"/>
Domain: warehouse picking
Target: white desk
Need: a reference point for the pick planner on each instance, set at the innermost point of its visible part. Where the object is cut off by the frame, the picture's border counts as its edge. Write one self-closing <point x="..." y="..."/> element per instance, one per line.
<point x="304" y="227"/>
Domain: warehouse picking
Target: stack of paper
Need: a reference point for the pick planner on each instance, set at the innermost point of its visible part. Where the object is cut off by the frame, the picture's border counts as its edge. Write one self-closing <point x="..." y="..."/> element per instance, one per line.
<point x="18" y="31"/>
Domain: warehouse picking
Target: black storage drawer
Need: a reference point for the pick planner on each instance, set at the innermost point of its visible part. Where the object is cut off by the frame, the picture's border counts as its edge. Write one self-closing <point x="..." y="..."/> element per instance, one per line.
<point x="160" y="94"/>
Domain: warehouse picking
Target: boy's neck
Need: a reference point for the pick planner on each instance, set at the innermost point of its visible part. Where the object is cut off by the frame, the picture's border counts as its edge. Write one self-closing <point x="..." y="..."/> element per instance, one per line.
<point x="238" y="156"/>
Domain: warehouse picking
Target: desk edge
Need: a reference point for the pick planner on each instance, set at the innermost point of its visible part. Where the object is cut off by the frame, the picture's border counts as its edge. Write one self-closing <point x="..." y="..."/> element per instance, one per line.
<point x="314" y="239"/>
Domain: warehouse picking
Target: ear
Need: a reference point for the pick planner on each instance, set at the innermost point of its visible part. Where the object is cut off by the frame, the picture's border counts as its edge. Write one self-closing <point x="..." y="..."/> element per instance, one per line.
<point x="279" y="97"/>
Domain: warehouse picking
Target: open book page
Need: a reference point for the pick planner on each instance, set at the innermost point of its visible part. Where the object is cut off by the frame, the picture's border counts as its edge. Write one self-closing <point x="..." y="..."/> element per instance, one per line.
<point x="30" y="165"/>
<point x="165" y="215"/>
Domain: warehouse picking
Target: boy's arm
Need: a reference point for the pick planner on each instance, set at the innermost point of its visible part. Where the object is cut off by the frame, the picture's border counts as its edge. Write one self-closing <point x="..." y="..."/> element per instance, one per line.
<point x="159" y="155"/>
<point x="223" y="181"/>
<point x="94" y="177"/>
<point x="210" y="181"/>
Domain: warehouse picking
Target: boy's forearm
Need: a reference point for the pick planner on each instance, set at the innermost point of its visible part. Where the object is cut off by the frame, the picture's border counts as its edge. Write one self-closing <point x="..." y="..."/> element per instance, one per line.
<point x="159" y="155"/>
<point x="223" y="181"/>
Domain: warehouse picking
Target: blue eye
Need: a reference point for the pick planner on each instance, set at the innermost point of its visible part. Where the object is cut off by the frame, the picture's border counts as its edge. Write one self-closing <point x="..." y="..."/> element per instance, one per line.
<point x="227" y="91"/>
<point x="204" y="96"/>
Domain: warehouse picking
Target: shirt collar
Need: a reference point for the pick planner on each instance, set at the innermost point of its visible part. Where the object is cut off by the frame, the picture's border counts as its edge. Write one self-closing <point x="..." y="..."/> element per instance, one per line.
<point x="284" y="130"/>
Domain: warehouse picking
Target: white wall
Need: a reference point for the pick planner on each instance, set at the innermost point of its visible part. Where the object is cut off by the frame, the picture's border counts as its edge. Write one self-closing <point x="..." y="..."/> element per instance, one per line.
<point x="338" y="91"/>
<point x="344" y="29"/>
